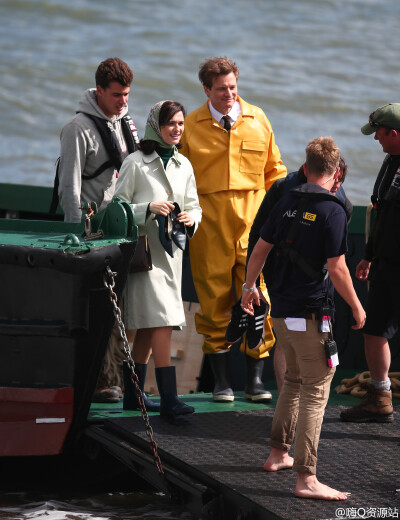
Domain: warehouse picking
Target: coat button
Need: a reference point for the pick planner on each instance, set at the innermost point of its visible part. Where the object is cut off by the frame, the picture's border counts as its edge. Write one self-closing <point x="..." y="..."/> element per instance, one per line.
<point x="169" y="192"/>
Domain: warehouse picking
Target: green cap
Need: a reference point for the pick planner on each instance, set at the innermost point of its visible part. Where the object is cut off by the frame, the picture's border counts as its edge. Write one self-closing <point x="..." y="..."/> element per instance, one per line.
<point x="387" y="115"/>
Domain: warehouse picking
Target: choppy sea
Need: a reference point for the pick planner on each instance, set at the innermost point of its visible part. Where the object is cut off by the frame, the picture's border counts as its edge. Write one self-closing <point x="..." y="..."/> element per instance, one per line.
<point x="316" y="67"/>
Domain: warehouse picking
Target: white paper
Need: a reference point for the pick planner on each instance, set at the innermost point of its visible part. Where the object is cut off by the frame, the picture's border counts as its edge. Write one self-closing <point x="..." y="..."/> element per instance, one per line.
<point x="325" y="324"/>
<point x="335" y="360"/>
<point x="297" y="324"/>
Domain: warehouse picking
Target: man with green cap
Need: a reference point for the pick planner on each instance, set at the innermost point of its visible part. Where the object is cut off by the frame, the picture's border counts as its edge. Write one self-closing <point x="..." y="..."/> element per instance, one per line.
<point x="380" y="266"/>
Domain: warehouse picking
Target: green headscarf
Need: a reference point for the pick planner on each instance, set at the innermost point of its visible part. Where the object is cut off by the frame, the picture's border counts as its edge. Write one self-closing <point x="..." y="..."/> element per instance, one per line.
<point x="152" y="132"/>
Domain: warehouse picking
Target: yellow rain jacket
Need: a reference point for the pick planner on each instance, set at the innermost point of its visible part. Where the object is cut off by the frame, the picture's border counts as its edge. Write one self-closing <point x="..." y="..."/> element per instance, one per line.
<point x="232" y="170"/>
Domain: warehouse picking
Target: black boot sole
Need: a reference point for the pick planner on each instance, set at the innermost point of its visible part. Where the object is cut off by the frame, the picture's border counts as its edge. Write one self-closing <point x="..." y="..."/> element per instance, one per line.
<point x="262" y="398"/>
<point x="170" y="416"/>
<point x="223" y="398"/>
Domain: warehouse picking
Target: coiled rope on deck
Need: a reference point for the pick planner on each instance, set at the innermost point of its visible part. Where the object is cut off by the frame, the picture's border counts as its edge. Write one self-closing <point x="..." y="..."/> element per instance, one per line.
<point x="357" y="385"/>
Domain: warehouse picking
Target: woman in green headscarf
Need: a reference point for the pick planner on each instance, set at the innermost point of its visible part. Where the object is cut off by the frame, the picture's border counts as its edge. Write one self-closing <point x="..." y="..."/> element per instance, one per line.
<point x="152" y="180"/>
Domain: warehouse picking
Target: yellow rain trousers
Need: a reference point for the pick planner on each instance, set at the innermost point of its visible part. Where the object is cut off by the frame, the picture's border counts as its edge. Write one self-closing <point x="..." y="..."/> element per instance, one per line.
<point x="232" y="172"/>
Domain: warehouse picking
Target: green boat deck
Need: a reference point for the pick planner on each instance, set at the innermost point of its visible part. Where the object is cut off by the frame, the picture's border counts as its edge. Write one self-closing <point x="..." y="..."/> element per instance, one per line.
<point x="203" y="402"/>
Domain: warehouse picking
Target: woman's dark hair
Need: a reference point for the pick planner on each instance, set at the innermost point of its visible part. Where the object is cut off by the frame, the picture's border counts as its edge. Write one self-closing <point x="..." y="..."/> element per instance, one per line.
<point x="167" y="112"/>
<point x="301" y="175"/>
<point x="343" y="168"/>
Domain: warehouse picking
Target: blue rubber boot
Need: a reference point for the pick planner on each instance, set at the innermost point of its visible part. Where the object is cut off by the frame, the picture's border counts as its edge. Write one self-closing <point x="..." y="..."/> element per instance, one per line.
<point x="130" y="400"/>
<point x="171" y="406"/>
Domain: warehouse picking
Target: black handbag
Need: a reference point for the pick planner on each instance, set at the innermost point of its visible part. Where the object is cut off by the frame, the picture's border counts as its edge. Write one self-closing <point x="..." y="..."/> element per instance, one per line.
<point x="141" y="260"/>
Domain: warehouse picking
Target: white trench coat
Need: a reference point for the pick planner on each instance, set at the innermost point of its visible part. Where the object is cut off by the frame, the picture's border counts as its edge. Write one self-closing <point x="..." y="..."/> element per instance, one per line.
<point x="153" y="298"/>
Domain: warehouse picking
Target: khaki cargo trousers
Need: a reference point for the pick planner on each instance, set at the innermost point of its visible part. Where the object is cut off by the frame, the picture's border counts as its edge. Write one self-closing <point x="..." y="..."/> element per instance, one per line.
<point x="304" y="394"/>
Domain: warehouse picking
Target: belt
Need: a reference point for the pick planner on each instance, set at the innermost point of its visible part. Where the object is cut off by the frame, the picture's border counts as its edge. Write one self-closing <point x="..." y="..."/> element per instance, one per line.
<point x="306" y="316"/>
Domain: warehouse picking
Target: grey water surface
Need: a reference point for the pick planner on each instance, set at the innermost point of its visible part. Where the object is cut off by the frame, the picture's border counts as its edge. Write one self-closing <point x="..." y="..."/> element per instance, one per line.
<point x="316" y="67"/>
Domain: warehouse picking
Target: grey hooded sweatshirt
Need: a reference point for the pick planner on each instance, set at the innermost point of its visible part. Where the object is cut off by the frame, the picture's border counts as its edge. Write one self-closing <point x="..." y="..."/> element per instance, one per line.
<point x="82" y="153"/>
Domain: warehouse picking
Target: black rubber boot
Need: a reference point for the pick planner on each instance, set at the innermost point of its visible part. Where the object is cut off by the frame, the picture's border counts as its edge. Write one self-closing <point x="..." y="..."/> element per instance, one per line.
<point x="171" y="406"/>
<point x="220" y="367"/>
<point x="130" y="400"/>
<point x="254" y="389"/>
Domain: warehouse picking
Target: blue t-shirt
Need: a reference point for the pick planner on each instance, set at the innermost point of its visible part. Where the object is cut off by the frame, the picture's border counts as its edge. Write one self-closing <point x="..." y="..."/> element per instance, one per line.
<point x="321" y="234"/>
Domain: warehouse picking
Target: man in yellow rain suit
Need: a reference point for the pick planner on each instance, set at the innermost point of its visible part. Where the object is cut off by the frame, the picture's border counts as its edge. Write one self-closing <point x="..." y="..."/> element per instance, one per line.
<point x="231" y="146"/>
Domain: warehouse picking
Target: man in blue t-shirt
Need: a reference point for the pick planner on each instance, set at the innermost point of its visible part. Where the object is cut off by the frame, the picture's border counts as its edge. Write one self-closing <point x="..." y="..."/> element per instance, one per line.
<point x="308" y="226"/>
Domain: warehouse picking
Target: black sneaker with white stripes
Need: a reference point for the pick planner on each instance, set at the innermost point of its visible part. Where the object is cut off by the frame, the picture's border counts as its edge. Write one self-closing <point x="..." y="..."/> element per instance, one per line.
<point x="238" y="323"/>
<point x="255" y="327"/>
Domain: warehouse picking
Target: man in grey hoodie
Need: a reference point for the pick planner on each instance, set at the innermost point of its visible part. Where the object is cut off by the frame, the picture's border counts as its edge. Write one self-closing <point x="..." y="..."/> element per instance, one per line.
<point x="96" y="140"/>
<point x="93" y="145"/>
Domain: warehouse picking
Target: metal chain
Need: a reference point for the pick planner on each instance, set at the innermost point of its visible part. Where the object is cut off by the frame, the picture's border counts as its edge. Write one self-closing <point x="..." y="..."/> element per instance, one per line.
<point x="88" y="226"/>
<point x="109" y="282"/>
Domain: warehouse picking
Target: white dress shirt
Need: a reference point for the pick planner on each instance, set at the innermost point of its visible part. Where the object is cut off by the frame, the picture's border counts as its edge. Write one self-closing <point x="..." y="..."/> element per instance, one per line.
<point x="233" y="114"/>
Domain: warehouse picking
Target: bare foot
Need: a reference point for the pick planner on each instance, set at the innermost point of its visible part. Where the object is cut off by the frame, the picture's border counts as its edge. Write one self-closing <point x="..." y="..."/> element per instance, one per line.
<point x="309" y="487"/>
<point x="278" y="459"/>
